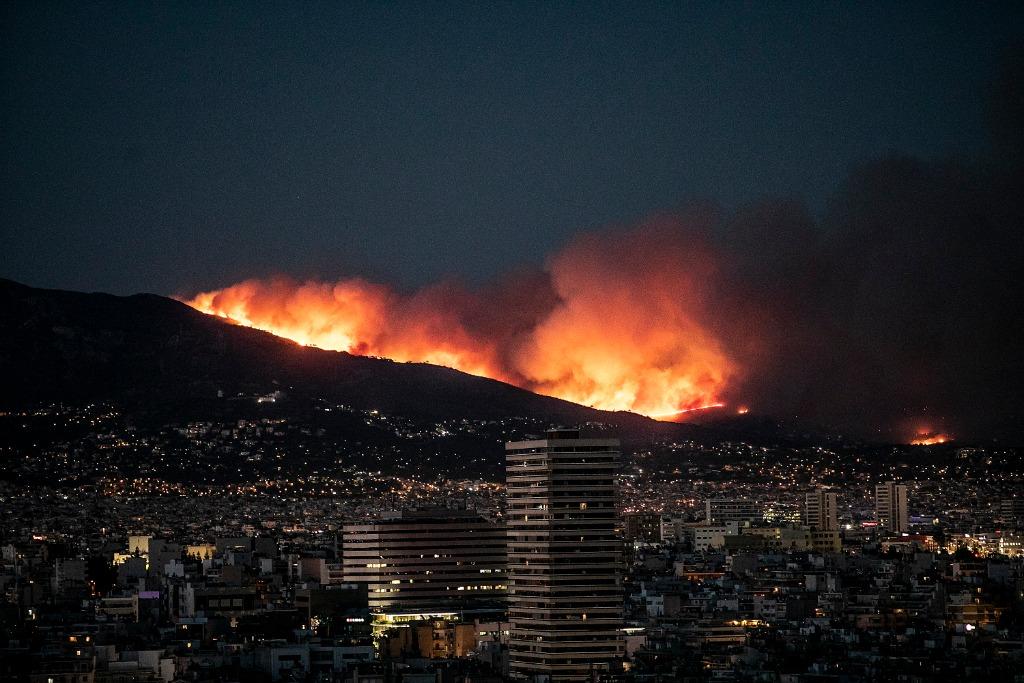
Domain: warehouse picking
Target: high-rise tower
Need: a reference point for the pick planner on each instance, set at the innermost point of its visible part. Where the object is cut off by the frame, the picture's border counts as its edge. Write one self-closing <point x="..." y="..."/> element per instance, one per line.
<point x="891" y="506"/>
<point x="565" y="575"/>
<point x="820" y="511"/>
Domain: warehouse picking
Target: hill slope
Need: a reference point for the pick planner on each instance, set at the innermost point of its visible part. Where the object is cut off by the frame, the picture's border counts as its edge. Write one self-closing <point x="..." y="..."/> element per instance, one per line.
<point x="151" y="352"/>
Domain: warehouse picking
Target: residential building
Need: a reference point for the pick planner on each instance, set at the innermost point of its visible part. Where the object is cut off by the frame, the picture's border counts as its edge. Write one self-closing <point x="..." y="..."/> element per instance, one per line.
<point x="565" y="583"/>
<point x="820" y="510"/>
<point x="891" y="506"/>
<point x="742" y="510"/>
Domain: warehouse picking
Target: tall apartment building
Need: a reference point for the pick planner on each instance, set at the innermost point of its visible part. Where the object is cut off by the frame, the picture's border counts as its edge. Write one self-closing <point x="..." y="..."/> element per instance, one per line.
<point x="820" y="510"/>
<point x="742" y="510"/>
<point x="891" y="506"/>
<point x="427" y="562"/>
<point x="565" y="573"/>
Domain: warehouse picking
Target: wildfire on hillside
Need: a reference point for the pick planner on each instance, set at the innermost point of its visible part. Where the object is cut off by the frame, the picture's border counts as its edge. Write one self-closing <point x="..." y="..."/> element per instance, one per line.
<point x="616" y="321"/>
<point x="926" y="438"/>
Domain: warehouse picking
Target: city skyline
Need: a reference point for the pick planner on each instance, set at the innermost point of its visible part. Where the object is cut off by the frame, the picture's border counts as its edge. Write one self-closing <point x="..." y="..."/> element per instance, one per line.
<point x="377" y="574"/>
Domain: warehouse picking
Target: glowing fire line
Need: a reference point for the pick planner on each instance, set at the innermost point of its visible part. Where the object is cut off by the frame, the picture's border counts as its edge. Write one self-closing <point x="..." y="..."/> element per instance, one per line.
<point x="664" y="416"/>
<point x="618" y="321"/>
<point x="930" y="439"/>
<point x="450" y="360"/>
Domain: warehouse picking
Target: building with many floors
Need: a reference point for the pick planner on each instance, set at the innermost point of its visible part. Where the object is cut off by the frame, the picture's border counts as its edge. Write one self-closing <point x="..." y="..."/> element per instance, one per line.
<point x="891" y="506"/>
<point x="426" y="561"/>
<point x="565" y="573"/>
<point x="821" y="511"/>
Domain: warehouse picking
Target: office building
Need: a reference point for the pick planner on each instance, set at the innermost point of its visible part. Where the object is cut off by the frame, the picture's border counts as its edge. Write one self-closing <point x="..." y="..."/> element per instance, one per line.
<point x="565" y="585"/>
<point x="427" y="562"/>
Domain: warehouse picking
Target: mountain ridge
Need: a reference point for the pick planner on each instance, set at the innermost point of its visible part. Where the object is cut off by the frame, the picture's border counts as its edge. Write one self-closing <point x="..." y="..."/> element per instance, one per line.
<point x="144" y="349"/>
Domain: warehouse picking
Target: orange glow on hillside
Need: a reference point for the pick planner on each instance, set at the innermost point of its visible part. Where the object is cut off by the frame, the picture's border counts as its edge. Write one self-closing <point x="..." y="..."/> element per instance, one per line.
<point x="929" y="439"/>
<point x="679" y="414"/>
<point x="616" y="323"/>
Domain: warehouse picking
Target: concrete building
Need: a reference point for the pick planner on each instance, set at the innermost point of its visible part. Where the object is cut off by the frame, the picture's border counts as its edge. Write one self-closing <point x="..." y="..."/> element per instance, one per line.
<point x="435" y="639"/>
<point x="120" y="606"/>
<point x="891" y="506"/>
<point x="565" y="573"/>
<point x="713" y="535"/>
<point x="644" y="527"/>
<point x="742" y="510"/>
<point x="219" y="600"/>
<point x="826" y="541"/>
<point x="1011" y="510"/>
<point x="321" y="570"/>
<point x="821" y="511"/>
<point x="673" y="528"/>
<point x="427" y="562"/>
<point x="69" y="576"/>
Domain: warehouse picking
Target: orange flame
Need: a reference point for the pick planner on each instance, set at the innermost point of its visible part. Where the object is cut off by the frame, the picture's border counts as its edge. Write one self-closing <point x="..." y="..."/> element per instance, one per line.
<point x="615" y="323"/>
<point x="682" y="413"/>
<point x="927" y="439"/>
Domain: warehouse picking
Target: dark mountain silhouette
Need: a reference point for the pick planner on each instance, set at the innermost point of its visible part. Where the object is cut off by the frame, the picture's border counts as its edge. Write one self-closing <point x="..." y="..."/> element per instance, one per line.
<point x="151" y="353"/>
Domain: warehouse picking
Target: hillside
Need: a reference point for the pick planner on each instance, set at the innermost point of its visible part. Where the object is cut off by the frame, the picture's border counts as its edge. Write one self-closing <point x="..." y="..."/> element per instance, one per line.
<point x="156" y="354"/>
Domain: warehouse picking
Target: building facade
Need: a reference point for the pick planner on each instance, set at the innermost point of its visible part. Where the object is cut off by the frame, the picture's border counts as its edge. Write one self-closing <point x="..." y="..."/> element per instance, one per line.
<point x="644" y="527"/>
<point x="427" y="562"/>
<point x="742" y="510"/>
<point x="891" y="507"/>
<point x="821" y="510"/>
<point x="565" y="557"/>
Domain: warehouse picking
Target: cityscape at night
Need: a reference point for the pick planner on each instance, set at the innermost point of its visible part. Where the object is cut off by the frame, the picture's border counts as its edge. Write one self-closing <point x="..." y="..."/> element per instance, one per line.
<point x="533" y="342"/>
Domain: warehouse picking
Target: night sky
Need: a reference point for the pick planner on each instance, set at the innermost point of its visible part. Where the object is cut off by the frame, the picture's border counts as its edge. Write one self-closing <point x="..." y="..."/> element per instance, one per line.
<point x="167" y="148"/>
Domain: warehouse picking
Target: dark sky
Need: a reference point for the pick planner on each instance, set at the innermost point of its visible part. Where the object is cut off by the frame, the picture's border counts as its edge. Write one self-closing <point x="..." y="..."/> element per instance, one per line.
<point x="171" y="147"/>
